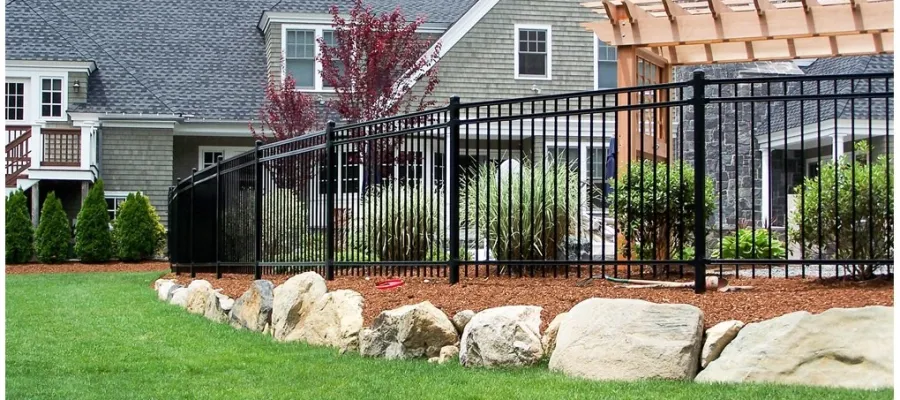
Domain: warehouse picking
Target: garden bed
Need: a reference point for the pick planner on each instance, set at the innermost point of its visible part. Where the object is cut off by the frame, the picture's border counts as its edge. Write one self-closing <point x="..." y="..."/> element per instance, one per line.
<point x="75" y="267"/>
<point x="768" y="299"/>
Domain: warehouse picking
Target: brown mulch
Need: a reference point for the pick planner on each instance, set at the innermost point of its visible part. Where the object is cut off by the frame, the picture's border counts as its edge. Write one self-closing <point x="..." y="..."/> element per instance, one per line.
<point x="769" y="298"/>
<point x="75" y="267"/>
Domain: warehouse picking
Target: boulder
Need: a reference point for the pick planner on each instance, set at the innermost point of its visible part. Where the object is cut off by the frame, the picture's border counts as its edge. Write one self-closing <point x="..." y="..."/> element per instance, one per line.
<point x="626" y="339"/>
<point x="200" y="283"/>
<point x="412" y="331"/>
<point x="548" y="340"/>
<point x="180" y="297"/>
<point x="253" y="310"/>
<point x="502" y="336"/>
<point x="461" y="319"/>
<point x="293" y="300"/>
<point x="227" y="303"/>
<point x="841" y="347"/>
<point x="716" y="338"/>
<point x="159" y="282"/>
<point x="447" y="354"/>
<point x="165" y="289"/>
<point x="203" y="301"/>
<point x="335" y="319"/>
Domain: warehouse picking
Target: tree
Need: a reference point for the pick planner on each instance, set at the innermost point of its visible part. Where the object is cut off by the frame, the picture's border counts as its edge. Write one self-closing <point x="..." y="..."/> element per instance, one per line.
<point x="137" y="230"/>
<point x="373" y="64"/>
<point x="93" y="239"/>
<point x="19" y="233"/>
<point x="53" y="236"/>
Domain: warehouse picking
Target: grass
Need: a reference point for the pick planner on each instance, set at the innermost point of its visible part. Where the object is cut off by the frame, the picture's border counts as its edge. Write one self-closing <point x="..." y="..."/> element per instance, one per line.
<point x="105" y="336"/>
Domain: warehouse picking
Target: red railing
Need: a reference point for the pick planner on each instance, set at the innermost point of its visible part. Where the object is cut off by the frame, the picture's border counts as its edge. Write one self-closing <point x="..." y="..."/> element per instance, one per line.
<point x="18" y="154"/>
<point x="61" y="147"/>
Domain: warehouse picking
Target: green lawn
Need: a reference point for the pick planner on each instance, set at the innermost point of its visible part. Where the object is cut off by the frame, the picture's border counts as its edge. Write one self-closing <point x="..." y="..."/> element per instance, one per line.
<point x="105" y="335"/>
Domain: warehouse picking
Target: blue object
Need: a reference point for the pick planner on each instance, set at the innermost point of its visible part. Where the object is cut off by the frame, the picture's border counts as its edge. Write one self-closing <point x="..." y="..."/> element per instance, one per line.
<point x="610" y="165"/>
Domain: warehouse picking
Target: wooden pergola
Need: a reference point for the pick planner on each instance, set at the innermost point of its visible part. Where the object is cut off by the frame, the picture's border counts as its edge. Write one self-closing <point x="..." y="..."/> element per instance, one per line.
<point x="653" y="36"/>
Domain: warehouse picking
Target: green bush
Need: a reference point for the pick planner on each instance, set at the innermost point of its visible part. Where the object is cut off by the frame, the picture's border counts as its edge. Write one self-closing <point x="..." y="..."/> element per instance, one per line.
<point x="93" y="239"/>
<point x="750" y="245"/>
<point x="654" y="205"/>
<point x="137" y="230"/>
<point x="525" y="215"/>
<point x="852" y="191"/>
<point x="19" y="232"/>
<point x="409" y="220"/>
<point x="54" y="236"/>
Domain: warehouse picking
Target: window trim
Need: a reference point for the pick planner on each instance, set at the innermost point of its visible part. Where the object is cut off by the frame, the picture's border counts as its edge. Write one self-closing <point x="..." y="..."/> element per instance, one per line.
<point x="113" y="194"/>
<point x="221" y="149"/>
<point x="25" y="100"/>
<point x="597" y="42"/>
<point x="548" y="28"/>
<point x="318" y="84"/>
<point x="64" y="105"/>
<point x="584" y="147"/>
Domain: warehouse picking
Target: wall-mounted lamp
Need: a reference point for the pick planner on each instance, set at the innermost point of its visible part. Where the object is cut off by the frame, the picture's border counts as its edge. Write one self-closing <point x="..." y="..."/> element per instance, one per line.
<point x="77" y="86"/>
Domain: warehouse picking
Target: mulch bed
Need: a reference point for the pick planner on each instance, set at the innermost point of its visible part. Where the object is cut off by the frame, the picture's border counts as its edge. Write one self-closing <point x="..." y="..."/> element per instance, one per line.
<point x="769" y="298"/>
<point x="79" y="267"/>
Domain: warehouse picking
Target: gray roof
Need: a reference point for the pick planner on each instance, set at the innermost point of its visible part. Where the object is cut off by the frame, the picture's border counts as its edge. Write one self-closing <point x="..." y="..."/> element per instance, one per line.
<point x="443" y="11"/>
<point x="813" y="111"/>
<point x="204" y="58"/>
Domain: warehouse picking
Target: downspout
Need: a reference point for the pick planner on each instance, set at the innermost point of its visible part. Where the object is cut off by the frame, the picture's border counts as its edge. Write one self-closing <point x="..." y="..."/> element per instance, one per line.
<point x="99" y="151"/>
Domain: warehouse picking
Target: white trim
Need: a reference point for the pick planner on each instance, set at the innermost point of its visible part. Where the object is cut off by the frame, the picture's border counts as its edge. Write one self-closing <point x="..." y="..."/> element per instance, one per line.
<point x="75" y="66"/>
<point x="227" y="152"/>
<point x="270" y="17"/>
<point x="139" y="124"/>
<point x="319" y="29"/>
<point x="64" y="97"/>
<point x="810" y="160"/>
<point x="26" y="101"/>
<point x="597" y="42"/>
<point x="827" y="128"/>
<point x="211" y="128"/>
<point x="58" y="173"/>
<point x="116" y="194"/>
<point x="549" y="29"/>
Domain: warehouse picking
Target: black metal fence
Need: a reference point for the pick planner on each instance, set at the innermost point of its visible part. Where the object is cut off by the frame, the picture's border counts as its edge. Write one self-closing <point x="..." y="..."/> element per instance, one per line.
<point x="795" y="180"/>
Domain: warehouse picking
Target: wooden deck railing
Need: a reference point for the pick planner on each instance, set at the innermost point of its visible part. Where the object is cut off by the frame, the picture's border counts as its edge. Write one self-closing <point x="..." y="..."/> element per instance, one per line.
<point x="61" y="147"/>
<point x="18" y="154"/>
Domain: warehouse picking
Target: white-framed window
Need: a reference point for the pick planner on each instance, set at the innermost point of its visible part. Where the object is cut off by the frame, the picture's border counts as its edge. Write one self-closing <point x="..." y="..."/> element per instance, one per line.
<point x="410" y="167"/>
<point x="209" y="154"/>
<point x="437" y="169"/>
<point x="533" y="52"/>
<point x="814" y="164"/>
<point x="349" y="171"/>
<point x="605" y="75"/>
<point x="113" y="201"/>
<point x="52" y="98"/>
<point x="301" y="52"/>
<point x="15" y="101"/>
<point x="590" y="159"/>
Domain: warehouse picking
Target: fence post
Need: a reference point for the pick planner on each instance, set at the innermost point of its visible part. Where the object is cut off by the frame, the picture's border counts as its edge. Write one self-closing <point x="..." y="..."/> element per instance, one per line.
<point x="191" y="229"/>
<point x="257" y="169"/>
<point x="178" y="258"/>
<point x="219" y="212"/>
<point x="171" y="233"/>
<point x="453" y="185"/>
<point x="699" y="105"/>
<point x="330" y="176"/>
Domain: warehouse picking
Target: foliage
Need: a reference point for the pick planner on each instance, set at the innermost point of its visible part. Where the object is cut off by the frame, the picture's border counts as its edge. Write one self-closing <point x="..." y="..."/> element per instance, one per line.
<point x="408" y="222"/>
<point x="19" y="232"/>
<point x="53" y="236"/>
<point x="654" y="204"/>
<point x="285" y="228"/>
<point x="750" y="244"/>
<point x="853" y="211"/>
<point x="137" y="231"/>
<point x="93" y="239"/>
<point x="525" y="215"/>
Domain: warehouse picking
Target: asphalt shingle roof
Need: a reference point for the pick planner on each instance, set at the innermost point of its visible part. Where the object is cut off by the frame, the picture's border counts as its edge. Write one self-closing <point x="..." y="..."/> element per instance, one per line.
<point x="204" y="58"/>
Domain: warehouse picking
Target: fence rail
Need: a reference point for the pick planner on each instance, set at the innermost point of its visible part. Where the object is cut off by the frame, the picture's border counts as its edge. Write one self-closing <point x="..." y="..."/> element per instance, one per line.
<point x="785" y="176"/>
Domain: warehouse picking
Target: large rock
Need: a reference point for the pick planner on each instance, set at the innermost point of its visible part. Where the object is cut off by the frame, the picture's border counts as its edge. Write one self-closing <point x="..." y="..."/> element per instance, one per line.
<point x="624" y="339"/>
<point x="159" y="282"/>
<point x="502" y="336"/>
<point x="180" y="297"/>
<point x="716" y="338"/>
<point x="253" y="310"/>
<point x="447" y="354"/>
<point x="293" y="301"/>
<point x="335" y="319"/>
<point x="548" y="339"/>
<point x="413" y="331"/>
<point x="165" y="289"/>
<point x="203" y="300"/>
<point x="200" y="283"/>
<point x="841" y="347"/>
<point x="461" y="319"/>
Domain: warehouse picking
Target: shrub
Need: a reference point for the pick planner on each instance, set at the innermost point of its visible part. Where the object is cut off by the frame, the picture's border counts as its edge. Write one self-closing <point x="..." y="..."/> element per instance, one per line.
<point x="750" y="244"/>
<point x="408" y="221"/>
<point x="856" y="214"/>
<point x="525" y="214"/>
<point x="19" y="232"/>
<point x="654" y="205"/>
<point x="137" y="231"/>
<point x="53" y="236"/>
<point x="93" y="239"/>
<point x="285" y="227"/>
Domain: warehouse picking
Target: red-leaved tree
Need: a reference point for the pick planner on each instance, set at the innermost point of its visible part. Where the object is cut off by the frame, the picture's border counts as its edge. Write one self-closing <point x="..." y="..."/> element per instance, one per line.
<point x="288" y="113"/>
<point x="373" y="65"/>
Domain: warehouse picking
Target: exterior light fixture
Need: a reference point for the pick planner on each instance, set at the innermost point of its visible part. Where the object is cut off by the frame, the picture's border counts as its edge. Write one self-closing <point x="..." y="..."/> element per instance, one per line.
<point x="77" y="86"/>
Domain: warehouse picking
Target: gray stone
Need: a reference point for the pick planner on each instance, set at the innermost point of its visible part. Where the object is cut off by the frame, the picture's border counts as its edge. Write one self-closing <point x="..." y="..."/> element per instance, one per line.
<point x="165" y="289"/>
<point x="462" y="318"/>
<point x="841" y="347"/>
<point x="716" y="338"/>
<point x="334" y="319"/>
<point x="412" y="331"/>
<point x="293" y="300"/>
<point x="203" y="301"/>
<point x="180" y="297"/>
<point x="502" y="337"/>
<point x="625" y="339"/>
<point x="253" y="310"/>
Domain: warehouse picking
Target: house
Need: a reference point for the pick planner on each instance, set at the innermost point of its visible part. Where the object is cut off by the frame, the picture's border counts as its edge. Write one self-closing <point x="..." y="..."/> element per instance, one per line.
<point x="140" y="93"/>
